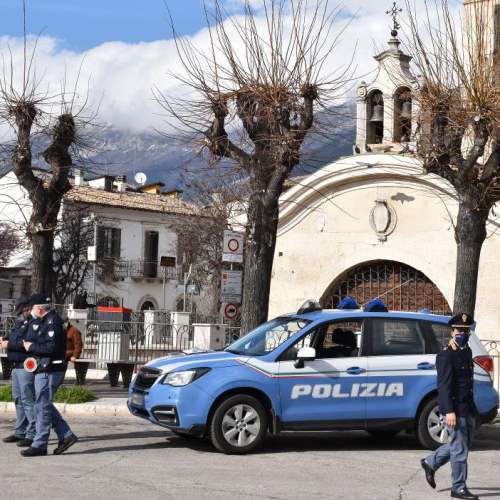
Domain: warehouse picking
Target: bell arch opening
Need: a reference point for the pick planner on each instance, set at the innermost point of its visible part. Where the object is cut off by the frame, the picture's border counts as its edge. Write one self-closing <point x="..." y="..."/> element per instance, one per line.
<point x="400" y="286"/>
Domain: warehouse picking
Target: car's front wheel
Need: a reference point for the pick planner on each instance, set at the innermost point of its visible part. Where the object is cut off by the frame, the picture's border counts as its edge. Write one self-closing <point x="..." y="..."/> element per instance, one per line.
<point x="239" y="424"/>
<point x="431" y="426"/>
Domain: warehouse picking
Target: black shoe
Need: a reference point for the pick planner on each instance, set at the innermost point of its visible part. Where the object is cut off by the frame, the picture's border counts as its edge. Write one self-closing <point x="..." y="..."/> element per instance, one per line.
<point x="34" y="452"/>
<point x="429" y="473"/>
<point x="24" y="443"/>
<point x="65" y="444"/>
<point x="12" y="439"/>
<point x="463" y="493"/>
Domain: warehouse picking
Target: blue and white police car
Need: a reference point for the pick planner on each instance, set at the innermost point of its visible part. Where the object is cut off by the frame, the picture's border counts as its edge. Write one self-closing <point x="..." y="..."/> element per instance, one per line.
<point x="317" y="369"/>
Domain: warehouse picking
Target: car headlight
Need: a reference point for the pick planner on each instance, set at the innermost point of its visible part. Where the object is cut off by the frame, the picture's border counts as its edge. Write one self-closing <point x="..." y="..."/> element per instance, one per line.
<point x="179" y="379"/>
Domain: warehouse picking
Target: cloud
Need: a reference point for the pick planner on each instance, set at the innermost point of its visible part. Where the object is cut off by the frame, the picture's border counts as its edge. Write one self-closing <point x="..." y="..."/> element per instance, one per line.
<point x="120" y="76"/>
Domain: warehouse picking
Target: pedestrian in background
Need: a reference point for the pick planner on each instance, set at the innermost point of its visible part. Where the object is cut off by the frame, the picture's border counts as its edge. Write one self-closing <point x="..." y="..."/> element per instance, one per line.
<point x="49" y="352"/>
<point x="74" y="344"/>
<point x="455" y="377"/>
<point x="23" y="382"/>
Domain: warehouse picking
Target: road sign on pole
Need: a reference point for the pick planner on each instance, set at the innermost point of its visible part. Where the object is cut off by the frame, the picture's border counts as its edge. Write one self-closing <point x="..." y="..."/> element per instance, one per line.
<point x="231" y="311"/>
<point x="232" y="250"/>
<point x="231" y="287"/>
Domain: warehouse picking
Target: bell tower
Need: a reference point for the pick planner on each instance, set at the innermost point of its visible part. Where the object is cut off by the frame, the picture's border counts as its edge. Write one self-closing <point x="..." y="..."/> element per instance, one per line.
<point x="386" y="113"/>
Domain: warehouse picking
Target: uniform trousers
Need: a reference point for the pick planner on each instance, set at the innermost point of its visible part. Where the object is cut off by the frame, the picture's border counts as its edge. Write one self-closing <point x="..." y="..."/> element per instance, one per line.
<point x="455" y="452"/>
<point x="47" y="416"/>
<point x="23" y="393"/>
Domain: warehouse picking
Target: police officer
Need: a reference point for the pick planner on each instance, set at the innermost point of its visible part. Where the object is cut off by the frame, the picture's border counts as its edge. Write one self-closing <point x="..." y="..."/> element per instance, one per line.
<point x="23" y="382"/>
<point x="49" y="352"/>
<point x="455" y="376"/>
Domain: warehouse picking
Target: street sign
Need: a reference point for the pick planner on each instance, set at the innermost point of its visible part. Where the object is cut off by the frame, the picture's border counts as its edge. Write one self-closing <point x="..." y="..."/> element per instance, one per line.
<point x="232" y="250"/>
<point x="91" y="253"/>
<point x="231" y="311"/>
<point x="231" y="287"/>
<point x="167" y="261"/>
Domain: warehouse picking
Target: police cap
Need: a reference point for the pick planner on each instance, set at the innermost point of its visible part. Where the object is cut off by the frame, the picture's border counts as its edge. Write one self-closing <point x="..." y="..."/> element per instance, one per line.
<point x="461" y="320"/>
<point x="21" y="303"/>
<point x="39" y="298"/>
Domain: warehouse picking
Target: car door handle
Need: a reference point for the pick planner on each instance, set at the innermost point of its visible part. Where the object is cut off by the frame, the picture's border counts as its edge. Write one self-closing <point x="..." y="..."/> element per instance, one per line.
<point x="425" y="366"/>
<point x="355" y="370"/>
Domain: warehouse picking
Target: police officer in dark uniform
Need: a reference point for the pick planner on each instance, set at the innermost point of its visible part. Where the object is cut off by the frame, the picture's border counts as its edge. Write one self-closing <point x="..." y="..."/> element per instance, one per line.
<point x="455" y="376"/>
<point x="48" y="350"/>
<point x="23" y="382"/>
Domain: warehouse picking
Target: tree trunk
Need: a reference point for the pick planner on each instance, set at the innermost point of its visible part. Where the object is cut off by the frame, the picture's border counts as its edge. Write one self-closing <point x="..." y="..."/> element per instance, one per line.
<point x="259" y="255"/>
<point x="470" y="233"/>
<point x="43" y="246"/>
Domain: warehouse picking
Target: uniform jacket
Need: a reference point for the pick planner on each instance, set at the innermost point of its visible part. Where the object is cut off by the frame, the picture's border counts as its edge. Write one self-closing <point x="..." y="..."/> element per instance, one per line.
<point x="73" y="342"/>
<point x="455" y="377"/>
<point x="50" y="341"/>
<point x="16" y="352"/>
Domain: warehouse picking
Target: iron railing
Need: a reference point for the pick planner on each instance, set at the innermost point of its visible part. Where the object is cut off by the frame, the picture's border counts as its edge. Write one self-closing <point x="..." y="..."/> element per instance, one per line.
<point x="114" y="269"/>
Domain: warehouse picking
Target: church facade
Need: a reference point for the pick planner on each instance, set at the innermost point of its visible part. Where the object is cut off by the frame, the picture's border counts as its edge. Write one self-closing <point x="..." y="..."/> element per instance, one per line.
<point x="374" y="224"/>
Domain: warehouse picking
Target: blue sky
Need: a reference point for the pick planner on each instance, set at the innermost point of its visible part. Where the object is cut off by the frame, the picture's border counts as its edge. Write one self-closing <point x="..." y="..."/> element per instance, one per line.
<point x="82" y="24"/>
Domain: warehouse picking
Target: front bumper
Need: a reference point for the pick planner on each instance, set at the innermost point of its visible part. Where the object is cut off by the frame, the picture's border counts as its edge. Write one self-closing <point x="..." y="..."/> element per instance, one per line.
<point x="183" y="409"/>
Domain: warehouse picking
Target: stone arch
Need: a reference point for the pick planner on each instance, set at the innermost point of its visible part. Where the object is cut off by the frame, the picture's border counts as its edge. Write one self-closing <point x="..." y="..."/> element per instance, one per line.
<point x="402" y="125"/>
<point x="374" y="130"/>
<point x="146" y="302"/>
<point x="399" y="285"/>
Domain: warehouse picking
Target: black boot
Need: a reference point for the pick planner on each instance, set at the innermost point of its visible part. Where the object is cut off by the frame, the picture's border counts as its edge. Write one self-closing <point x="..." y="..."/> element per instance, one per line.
<point x="65" y="444"/>
<point x="12" y="439"/>
<point x="24" y="443"/>
<point x="463" y="493"/>
<point x="429" y="473"/>
<point x="34" y="452"/>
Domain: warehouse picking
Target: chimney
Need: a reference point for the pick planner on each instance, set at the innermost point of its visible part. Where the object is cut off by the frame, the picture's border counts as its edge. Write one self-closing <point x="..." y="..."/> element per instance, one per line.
<point x="78" y="175"/>
<point x="120" y="183"/>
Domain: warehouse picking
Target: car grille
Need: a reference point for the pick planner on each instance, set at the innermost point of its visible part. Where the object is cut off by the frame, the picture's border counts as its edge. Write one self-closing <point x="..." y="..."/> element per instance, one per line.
<point x="146" y="377"/>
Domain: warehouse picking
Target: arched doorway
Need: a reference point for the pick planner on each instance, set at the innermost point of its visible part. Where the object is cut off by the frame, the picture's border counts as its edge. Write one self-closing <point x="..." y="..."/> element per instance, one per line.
<point x="400" y="286"/>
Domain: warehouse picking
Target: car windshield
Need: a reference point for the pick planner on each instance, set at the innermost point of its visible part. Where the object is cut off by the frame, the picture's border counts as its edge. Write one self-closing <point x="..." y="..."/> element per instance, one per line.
<point x="267" y="337"/>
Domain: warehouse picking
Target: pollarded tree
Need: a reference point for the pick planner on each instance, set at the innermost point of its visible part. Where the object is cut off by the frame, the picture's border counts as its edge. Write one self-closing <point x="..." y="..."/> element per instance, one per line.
<point x="460" y="126"/>
<point x="253" y="96"/>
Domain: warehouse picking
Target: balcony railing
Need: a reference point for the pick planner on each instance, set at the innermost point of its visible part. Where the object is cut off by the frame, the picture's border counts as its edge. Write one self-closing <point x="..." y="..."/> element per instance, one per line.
<point x="136" y="269"/>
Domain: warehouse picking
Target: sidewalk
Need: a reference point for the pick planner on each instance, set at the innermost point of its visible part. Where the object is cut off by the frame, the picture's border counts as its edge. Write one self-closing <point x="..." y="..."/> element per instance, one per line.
<point x="111" y="402"/>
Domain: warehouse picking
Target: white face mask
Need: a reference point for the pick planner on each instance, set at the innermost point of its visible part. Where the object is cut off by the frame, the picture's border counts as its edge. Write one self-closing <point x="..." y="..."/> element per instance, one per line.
<point x="33" y="315"/>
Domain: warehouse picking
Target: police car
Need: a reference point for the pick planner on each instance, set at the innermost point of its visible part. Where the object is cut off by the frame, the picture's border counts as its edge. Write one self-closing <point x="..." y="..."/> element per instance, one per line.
<point x="317" y="369"/>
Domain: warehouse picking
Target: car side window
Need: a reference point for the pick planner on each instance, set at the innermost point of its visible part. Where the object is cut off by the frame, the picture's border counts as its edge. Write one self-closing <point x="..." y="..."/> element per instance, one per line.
<point x="291" y="353"/>
<point x="392" y="337"/>
<point x="440" y="336"/>
<point x="339" y="339"/>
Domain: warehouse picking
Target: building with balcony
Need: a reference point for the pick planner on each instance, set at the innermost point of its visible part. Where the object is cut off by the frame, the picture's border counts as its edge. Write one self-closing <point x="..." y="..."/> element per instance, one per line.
<point x="134" y="243"/>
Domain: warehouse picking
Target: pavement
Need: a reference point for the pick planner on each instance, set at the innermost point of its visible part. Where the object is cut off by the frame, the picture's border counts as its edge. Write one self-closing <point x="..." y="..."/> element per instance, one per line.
<point x="119" y="458"/>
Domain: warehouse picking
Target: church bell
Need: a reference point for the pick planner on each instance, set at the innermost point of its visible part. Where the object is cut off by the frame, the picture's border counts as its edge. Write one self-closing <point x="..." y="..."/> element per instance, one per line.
<point x="406" y="111"/>
<point x="378" y="113"/>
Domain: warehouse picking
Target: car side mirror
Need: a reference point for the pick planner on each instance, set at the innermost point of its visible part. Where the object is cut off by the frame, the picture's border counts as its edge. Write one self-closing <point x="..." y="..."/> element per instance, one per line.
<point x="305" y="354"/>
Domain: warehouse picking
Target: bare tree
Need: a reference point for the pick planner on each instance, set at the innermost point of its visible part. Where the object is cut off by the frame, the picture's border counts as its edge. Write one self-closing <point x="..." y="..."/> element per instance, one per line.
<point x="29" y="112"/>
<point x="460" y="123"/>
<point x="9" y="242"/>
<point x="253" y="96"/>
<point x="70" y="265"/>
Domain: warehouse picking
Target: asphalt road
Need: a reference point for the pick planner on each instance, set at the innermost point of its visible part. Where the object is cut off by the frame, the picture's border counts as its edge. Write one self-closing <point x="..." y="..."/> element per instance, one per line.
<point x="130" y="459"/>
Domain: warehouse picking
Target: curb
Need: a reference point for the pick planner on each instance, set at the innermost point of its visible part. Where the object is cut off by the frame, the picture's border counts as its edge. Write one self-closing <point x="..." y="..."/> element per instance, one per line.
<point x="95" y="409"/>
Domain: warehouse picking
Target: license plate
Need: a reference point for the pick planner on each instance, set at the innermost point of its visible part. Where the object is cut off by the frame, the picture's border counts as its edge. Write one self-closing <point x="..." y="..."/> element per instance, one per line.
<point x="137" y="399"/>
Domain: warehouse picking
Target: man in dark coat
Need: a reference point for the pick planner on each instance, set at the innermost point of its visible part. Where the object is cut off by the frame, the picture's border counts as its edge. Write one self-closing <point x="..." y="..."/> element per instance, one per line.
<point x="455" y="377"/>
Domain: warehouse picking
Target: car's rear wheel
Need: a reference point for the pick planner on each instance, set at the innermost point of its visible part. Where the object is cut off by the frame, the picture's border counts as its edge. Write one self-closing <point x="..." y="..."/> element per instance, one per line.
<point x="239" y="424"/>
<point x="431" y="426"/>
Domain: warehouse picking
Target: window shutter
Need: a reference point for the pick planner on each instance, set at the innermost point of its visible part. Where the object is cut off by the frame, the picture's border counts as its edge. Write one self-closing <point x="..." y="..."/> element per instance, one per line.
<point x="100" y="242"/>
<point x="116" y="243"/>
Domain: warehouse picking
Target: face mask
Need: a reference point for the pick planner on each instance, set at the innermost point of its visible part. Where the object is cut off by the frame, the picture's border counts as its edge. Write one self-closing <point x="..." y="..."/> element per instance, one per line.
<point x="33" y="315"/>
<point x="462" y="338"/>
